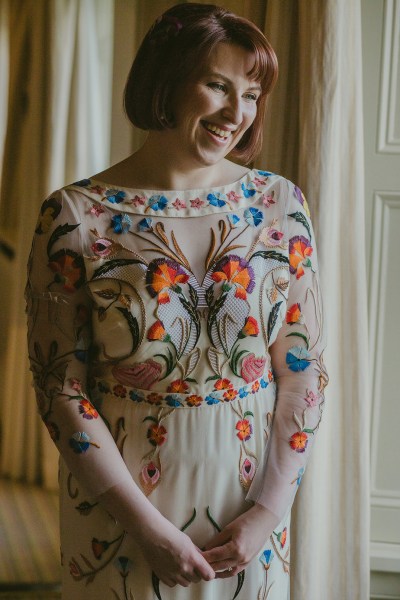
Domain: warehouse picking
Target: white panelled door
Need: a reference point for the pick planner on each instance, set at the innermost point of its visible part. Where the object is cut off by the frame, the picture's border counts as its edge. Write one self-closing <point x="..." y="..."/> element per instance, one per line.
<point x="381" y="71"/>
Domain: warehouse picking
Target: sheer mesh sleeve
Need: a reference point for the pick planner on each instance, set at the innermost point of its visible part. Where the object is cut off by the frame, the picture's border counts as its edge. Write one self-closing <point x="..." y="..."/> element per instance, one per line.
<point x="59" y="337"/>
<point x="297" y="362"/>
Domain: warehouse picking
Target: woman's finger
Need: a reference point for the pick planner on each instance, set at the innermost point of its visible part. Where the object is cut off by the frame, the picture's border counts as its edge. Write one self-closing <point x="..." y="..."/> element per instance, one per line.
<point x="227" y="573"/>
<point x="219" y="553"/>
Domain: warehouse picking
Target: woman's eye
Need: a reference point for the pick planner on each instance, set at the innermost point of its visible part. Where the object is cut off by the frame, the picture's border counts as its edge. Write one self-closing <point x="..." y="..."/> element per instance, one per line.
<point x="220" y="87"/>
<point x="251" y="96"/>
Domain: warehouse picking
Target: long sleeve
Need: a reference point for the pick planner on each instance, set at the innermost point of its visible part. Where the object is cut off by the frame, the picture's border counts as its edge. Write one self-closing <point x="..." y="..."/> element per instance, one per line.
<point x="297" y="364"/>
<point x="59" y="340"/>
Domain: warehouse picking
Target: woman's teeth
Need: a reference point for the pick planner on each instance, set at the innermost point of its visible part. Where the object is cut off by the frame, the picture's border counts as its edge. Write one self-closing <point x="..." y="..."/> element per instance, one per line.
<point x="220" y="132"/>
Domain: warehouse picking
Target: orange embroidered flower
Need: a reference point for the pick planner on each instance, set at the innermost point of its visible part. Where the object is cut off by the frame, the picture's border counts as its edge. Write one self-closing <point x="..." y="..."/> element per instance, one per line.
<point x="119" y="391"/>
<point x="237" y="271"/>
<point x="156" y="434"/>
<point x="223" y="384"/>
<point x="255" y="386"/>
<point x="157" y="332"/>
<point x="299" y="441"/>
<point x="250" y="328"/>
<point x="154" y="398"/>
<point x="230" y="395"/>
<point x="282" y="537"/>
<point x="293" y="314"/>
<point x="68" y="268"/>
<point x="164" y="274"/>
<point x="244" y="429"/>
<point x="87" y="409"/>
<point x="178" y="386"/>
<point x="194" y="400"/>
<point x="300" y="250"/>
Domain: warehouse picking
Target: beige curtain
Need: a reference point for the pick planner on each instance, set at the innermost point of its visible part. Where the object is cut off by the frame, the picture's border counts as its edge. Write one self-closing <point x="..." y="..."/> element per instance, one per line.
<point x="314" y="134"/>
<point x="60" y="63"/>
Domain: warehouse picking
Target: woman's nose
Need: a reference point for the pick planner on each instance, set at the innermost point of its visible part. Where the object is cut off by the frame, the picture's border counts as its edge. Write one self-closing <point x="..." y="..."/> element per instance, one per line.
<point x="232" y="110"/>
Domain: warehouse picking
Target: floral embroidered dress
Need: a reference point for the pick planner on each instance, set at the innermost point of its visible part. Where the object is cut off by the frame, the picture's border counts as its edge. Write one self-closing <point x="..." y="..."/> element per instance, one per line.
<point x="176" y="338"/>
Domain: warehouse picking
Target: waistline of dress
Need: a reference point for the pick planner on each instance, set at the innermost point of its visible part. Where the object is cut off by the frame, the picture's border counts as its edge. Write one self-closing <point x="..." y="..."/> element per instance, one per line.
<point x="223" y="392"/>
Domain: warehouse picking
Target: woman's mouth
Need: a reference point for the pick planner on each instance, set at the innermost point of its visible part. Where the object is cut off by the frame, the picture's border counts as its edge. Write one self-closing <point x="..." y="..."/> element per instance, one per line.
<point x="222" y="134"/>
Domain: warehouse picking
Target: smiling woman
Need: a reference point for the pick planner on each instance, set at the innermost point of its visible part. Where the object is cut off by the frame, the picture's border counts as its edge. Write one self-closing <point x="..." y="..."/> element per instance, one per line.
<point x="175" y="334"/>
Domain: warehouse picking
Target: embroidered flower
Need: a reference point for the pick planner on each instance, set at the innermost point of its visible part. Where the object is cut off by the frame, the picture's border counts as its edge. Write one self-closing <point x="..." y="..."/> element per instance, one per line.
<point x="282" y="537"/>
<point x="212" y="399"/>
<point x="173" y="400"/>
<point x="140" y="375"/>
<point x="302" y="199"/>
<point x="312" y="399"/>
<point x="49" y="211"/>
<point x="99" y="547"/>
<point x="271" y="237"/>
<point x="265" y="173"/>
<point x="75" y="570"/>
<point x="119" y="391"/>
<point x="87" y="409"/>
<point x="298" y="358"/>
<point x="75" y="384"/>
<point x="250" y="328"/>
<point x="268" y="199"/>
<point x="243" y="392"/>
<point x="121" y="223"/>
<point x="236" y="271"/>
<point x="253" y="216"/>
<point x="248" y="470"/>
<point x="137" y="200"/>
<point x="123" y="564"/>
<point x="68" y="268"/>
<point x="157" y="332"/>
<point x="82" y="182"/>
<point x="145" y="224"/>
<point x="248" y="191"/>
<point x="178" y="204"/>
<point x="255" y="386"/>
<point x="194" y="400"/>
<point x="300" y="250"/>
<point x="97" y="189"/>
<point x="136" y="396"/>
<point x="115" y="196"/>
<point x="154" y="398"/>
<point x="293" y="314"/>
<point x="299" y="476"/>
<point x="266" y="559"/>
<point x="234" y="221"/>
<point x="80" y="442"/>
<point x="157" y="202"/>
<point x="156" y="434"/>
<point x="103" y="247"/>
<point x="223" y="384"/>
<point x="150" y="473"/>
<point x="233" y="196"/>
<point x="97" y="209"/>
<point x="197" y="203"/>
<point x="164" y="274"/>
<point x="252" y="367"/>
<point x="299" y="441"/>
<point x="217" y="199"/>
<point x="244" y="430"/>
<point x="178" y="386"/>
<point x="230" y="395"/>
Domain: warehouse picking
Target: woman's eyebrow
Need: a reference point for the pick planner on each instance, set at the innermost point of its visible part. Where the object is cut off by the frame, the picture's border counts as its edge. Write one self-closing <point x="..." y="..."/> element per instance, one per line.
<point x="217" y="75"/>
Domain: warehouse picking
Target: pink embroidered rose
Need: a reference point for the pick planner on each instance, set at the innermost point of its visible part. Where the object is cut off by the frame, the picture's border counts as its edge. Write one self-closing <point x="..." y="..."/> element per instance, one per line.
<point x="141" y="375"/>
<point x="252" y="367"/>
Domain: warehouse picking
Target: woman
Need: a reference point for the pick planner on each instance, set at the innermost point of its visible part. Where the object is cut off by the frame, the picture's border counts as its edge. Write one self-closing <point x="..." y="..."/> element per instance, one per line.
<point x="175" y="333"/>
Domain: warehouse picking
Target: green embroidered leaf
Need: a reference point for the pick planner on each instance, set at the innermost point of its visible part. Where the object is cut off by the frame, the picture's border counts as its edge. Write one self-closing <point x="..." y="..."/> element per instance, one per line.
<point x="107" y="294"/>
<point x="156" y="585"/>
<point x="309" y="431"/>
<point x="193" y="296"/>
<point x="241" y="577"/>
<point x="235" y="359"/>
<point x="59" y="232"/>
<point x="133" y="327"/>
<point x="215" y="524"/>
<point x="210" y="295"/>
<point x="191" y="379"/>
<point x="213" y="378"/>
<point x="192" y="518"/>
<point x="248" y="413"/>
<point x="271" y="255"/>
<point x="272" y="319"/>
<point x="169" y="360"/>
<point x="300" y="335"/>
<point x="112" y="264"/>
<point x="300" y="218"/>
<point x="150" y="418"/>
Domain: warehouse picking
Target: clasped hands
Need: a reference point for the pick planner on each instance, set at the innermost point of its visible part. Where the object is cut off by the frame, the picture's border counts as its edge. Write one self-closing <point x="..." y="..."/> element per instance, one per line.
<point x="175" y="559"/>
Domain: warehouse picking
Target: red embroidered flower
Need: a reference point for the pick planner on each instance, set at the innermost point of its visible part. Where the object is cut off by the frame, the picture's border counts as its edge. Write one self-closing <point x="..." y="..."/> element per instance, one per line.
<point x="223" y="384"/>
<point x="178" y="386"/>
<point x="235" y="271"/>
<point x="154" y="398"/>
<point x="156" y="434"/>
<point x="194" y="400"/>
<point x="230" y="395"/>
<point x="250" y="328"/>
<point x="99" y="547"/>
<point x="87" y="409"/>
<point x="245" y="429"/>
<point x="293" y="314"/>
<point x="299" y="441"/>
<point x="119" y="391"/>
<point x="157" y="332"/>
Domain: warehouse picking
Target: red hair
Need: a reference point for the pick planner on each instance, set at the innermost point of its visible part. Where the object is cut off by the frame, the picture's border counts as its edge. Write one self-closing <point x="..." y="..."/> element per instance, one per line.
<point x="185" y="36"/>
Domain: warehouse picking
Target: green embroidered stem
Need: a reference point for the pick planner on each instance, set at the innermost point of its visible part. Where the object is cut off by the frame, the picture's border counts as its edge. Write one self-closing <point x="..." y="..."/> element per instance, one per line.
<point x="217" y="527"/>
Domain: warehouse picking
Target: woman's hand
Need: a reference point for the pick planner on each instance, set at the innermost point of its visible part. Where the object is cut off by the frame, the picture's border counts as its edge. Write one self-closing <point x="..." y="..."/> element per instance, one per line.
<point x="173" y="557"/>
<point x="231" y="550"/>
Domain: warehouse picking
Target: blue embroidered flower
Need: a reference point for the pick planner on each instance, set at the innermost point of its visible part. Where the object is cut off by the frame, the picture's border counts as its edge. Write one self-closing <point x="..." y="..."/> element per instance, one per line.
<point x="121" y="223"/>
<point x="217" y="199"/>
<point x="234" y="220"/>
<point x="248" y="191"/>
<point x="83" y="182"/>
<point x="265" y="173"/>
<point x="263" y="382"/>
<point x="173" y="400"/>
<point x="243" y="392"/>
<point x="298" y="358"/>
<point x="212" y="399"/>
<point x="115" y="196"/>
<point x="136" y="396"/>
<point x="145" y="224"/>
<point x="157" y="202"/>
<point x="300" y="475"/>
<point x="253" y="216"/>
<point x="80" y="442"/>
<point x="123" y="564"/>
<point x="266" y="558"/>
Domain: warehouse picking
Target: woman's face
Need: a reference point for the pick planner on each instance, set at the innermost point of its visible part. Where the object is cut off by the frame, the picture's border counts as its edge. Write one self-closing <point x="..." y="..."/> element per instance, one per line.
<point x="214" y="108"/>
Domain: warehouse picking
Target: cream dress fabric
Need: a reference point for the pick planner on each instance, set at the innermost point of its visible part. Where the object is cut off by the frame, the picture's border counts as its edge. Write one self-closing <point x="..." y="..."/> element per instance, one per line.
<point x="176" y="338"/>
